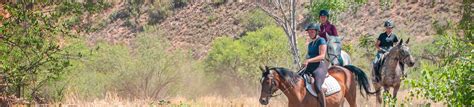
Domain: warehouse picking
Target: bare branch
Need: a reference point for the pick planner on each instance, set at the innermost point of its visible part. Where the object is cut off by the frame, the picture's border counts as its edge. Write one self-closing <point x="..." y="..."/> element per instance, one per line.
<point x="288" y="23"/>
<point x="280" y="7"/>
<point x="276" y="18"/>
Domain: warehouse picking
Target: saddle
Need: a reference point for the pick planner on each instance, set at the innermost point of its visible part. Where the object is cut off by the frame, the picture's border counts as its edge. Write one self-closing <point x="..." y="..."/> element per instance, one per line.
<point x="330" y="84"/>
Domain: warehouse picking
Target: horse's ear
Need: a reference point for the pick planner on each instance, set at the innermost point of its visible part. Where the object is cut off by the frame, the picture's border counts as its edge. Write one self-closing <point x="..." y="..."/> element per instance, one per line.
<point x="266" y="68"/>
<point x="262" y="69"/>
<point x="407" y="41"/>
<point x="401" y="41"/>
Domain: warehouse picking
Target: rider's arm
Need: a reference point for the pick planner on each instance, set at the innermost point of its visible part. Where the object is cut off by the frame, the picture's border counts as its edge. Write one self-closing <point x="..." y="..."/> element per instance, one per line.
<point x="334" y="31"/>
<point x="322" y="54"/>
<point x="377" y="45"/>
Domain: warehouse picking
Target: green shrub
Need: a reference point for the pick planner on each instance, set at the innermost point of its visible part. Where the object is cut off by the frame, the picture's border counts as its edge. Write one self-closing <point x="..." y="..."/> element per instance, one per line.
<point x="450" y="79"/>
<point x="78" y="8"/>
<point x="240" y="59"/>
<point x="145" y="69"/>
<point x="367" y="43"/>
<point x="31" y="54"/>
<point x="334" y="7"/>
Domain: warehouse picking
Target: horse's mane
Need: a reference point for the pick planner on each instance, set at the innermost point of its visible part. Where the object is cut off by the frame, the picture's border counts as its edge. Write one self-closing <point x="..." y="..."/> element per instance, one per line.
<point x="287" y="74"/>
<point x="391" y="54"/>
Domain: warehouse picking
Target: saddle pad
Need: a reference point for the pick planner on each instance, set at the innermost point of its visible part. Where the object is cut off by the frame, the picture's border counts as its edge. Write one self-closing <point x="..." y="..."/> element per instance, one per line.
<point x="330" y="83"/>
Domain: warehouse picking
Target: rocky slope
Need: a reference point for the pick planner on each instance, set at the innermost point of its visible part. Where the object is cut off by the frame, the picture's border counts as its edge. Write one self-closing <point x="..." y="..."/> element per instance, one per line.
<point x="198" y="24"/>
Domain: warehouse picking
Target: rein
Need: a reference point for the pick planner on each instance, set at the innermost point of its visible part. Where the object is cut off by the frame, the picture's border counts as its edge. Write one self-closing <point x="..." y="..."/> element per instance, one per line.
<point x="273" y="84"/>
<point x="332" y="59"/>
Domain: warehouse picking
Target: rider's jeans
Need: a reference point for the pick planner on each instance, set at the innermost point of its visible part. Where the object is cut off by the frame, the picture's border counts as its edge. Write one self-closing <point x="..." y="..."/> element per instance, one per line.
<point x="319" y="72"/>
<point x="380" y="53"/>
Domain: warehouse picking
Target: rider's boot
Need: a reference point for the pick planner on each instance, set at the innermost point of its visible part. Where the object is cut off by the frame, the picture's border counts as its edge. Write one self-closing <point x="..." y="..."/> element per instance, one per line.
<point x="322" y="98"/>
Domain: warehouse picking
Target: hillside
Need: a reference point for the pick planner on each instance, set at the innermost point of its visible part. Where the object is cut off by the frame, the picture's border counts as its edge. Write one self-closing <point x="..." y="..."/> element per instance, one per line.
<point x="208" y="53"/>
<point x="412" y="19"/>
<point x="194" y="26"/>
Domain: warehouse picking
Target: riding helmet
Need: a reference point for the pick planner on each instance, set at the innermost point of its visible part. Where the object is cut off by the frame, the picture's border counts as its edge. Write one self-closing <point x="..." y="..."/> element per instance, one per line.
<point x="313" y="26"/>
<point x="324" y="13"/>
<point x="389" y="23"/>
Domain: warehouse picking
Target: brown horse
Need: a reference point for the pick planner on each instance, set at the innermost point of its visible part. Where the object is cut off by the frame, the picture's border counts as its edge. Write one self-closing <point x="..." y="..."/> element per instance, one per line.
<point x="392" y="69"/>
<point x="293" y="86"/>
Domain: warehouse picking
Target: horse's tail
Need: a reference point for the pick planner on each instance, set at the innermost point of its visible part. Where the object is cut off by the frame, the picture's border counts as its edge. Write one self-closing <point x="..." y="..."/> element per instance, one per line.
<point x="361" y="78"/>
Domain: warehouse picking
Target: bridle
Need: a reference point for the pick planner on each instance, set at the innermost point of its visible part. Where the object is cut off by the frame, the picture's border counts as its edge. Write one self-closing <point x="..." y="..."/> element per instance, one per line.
<point x="403" y="56"/>
<point x="332" y="59"/>
<point x="273" y="85"/>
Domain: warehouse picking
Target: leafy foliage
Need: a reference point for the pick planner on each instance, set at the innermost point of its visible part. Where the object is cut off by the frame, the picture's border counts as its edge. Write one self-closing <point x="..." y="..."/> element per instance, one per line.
<point x="367" y="42"/>
<point x="349" y="48"/>
<point x="31" y="54"/>
<point x="448" y="79"/>
<point x="72" y="11"/>
<point x="242" y="57"/>
<point x="78" y="8"/>
<point x="144" y="72"/>
<point x="334" y="7"/>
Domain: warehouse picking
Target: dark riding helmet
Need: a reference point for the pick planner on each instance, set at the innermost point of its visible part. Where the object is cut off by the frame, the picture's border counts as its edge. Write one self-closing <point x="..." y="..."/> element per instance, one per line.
<point x="324" y="13"/>
<point x="313" y="26"/>
<point x="389" y="23"/>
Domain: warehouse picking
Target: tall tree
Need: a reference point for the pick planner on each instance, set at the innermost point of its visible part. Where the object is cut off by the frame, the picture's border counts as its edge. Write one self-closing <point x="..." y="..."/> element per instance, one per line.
<point x="284" y="12"/>
<point x="30" y="54"/>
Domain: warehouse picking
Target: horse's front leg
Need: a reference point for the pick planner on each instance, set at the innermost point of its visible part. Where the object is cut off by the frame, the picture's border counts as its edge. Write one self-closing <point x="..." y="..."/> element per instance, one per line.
<point x="395" y="90"/>
<point x="378" y="94"/>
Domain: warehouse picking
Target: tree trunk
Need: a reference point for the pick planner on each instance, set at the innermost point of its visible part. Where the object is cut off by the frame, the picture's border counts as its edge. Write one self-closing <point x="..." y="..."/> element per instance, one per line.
<point x="288" y="23"/>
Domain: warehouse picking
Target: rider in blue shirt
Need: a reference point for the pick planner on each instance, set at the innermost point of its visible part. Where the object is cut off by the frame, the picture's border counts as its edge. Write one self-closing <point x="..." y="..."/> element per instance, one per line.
<point x="314" y="60"/>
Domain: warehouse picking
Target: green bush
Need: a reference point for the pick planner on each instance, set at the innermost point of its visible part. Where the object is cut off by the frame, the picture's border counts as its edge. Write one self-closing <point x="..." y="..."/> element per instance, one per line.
<point x="449" y="79"/>
<point x="367" y="42"/>
<point x="334" y="7"/>
<point x="78" y="8"/>
<point x="31" y="55"/>
<point x="144" y="69"/>
<point x="241" y="58"/>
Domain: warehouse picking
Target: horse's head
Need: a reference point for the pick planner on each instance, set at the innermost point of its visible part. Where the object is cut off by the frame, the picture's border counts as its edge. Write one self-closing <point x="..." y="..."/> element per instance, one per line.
<point x="404" y="53"/>
<point x="332" y="49"/>
<point x="269" y="85"/>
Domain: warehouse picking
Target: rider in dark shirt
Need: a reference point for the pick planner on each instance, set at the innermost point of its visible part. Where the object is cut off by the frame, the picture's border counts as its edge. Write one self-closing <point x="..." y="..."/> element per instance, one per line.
<point x="384" y="43"/>
<point x="327" y="29"/>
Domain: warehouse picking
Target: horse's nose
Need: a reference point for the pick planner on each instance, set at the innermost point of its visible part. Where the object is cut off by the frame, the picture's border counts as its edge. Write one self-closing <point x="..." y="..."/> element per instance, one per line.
<point x="263" y="101"/>
<point x="411" y="64"/>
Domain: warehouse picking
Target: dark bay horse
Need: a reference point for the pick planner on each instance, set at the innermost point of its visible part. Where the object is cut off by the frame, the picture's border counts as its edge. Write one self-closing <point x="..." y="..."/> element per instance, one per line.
<point x="392" y="69"/>
<point x="293" y="86"/>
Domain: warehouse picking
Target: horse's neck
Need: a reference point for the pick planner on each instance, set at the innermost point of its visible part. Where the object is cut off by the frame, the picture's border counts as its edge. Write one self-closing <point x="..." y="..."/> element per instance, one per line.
<point x="391" y="60"/>
<point x="392" y="55"/>
<point x="293" y="92"/>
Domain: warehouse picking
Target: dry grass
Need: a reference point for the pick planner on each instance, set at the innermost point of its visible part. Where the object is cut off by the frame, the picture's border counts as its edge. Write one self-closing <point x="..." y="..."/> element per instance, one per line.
<point x="112" y="100"/>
